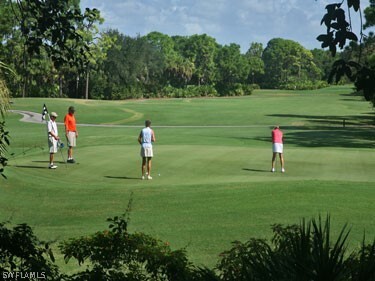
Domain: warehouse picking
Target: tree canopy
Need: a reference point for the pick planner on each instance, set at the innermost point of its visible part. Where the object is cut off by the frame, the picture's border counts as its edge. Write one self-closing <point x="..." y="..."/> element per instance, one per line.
<point x="360" y="67"/>
<point x="57" y="50"/>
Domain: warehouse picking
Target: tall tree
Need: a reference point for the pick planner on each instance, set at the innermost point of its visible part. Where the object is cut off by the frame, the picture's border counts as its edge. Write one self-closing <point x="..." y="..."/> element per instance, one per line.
<point x="95" y="70"/>
<point x="201" y="51"/>
<point x="132" y="67"/>
<point x="52" y="27"/>
<point x="254" y="57"/>
<point x="286" y="61"/>
<point x="97" y="45"/>
<point x="369" y="14"/>
<point x="339" y="32"/>
<point x="4" y="105"/>
<point x="176" y="70"/>
<point x="232" y="66"/>
<point x="323" y="60"/>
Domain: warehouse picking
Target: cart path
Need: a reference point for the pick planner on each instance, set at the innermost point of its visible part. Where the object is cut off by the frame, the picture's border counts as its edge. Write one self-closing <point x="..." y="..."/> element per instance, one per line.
<point x="33" y="117"/>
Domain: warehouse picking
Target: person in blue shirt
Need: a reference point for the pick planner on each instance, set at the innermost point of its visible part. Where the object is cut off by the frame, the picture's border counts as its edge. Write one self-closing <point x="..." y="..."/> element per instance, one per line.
<point x="145" y="139"/>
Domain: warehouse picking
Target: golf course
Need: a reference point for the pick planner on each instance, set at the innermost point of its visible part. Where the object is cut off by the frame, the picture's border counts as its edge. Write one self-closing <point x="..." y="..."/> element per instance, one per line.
<point x="211" y="182"/>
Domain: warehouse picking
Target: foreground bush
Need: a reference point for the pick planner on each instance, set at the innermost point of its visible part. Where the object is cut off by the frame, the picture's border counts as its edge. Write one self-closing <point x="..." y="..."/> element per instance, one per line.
<point x="304" y="252"/>
<point x="116" y="254"/>
<point x="22" y="252"/>
<point x="304" y="85"/>
<point x="188" y="92"/>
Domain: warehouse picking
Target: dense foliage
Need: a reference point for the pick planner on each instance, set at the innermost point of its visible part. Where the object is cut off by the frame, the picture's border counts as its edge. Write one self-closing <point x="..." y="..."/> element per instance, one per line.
<point x="357" y="62"/>
<point x="21" y="251"/>
<point x="41" y="40"/>
<point x="4" y="106"/>
<point x="306" y="251"/>
<point x="62" y="54"/>
<point x="116" y="254"/>
<point x="4" y="142"/>
<point x="298" y="252"/>
<point x="287" y="62"/>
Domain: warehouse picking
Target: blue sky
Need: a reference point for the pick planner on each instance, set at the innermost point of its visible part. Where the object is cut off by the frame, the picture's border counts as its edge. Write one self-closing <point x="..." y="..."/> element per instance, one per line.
<point x="228" y="21"/>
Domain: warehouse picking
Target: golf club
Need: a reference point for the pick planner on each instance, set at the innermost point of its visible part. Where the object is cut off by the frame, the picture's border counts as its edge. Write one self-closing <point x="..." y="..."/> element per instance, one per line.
<point x="60" y="146"/>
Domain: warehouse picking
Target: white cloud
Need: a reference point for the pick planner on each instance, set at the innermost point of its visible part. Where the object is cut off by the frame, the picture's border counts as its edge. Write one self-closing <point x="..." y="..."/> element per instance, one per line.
<point x="228" y="21"/>
<point x="193" y="28"/>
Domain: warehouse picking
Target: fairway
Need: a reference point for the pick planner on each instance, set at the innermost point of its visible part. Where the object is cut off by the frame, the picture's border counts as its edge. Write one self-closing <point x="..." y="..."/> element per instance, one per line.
<point x="211" y="181"/>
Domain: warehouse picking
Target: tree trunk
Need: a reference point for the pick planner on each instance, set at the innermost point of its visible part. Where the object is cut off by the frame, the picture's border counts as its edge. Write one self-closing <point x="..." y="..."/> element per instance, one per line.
<point x="77" y="86"/>
<point x="60" y="87"/>
<point x="87" y="86"/>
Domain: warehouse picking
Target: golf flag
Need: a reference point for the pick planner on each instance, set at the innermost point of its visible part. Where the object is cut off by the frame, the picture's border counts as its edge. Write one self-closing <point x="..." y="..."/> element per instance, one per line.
<point x="44" y="112"/>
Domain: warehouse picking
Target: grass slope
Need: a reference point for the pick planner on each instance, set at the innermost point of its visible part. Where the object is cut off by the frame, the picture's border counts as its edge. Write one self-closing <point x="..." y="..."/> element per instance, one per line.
<point x="214" y="185"/>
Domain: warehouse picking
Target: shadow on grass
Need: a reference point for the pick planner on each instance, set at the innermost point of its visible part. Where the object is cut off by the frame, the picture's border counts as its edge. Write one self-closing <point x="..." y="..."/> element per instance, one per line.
<point x="256" y="170"/>
<point x="46" y="161"/>
<point x="366" y="119"/>
<point x="121" y="178"/>
<point x="28" y="167"/>
<point x="328" y="137"/>
<point x="330" y="131"/>
<point x="36" y="167"/>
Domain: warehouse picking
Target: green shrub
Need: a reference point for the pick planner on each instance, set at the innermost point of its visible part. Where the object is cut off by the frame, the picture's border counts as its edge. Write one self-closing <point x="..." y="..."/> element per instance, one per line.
<point x="235" y="89"/>
<point x="21" y="251"/>
<point x="304" y="252"/>
<point x="190" y="91"/>
<point x="304" y="85"/>
<point x="4" y="142"/>
<point x="116" y="254"/>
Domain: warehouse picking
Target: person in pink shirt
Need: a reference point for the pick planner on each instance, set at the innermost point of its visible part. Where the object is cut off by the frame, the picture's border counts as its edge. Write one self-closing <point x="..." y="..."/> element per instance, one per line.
<point x="277" y="148"/>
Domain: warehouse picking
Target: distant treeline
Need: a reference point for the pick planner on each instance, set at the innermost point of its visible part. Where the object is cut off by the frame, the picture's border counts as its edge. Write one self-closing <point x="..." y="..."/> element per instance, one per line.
<point x="156" y="65"/>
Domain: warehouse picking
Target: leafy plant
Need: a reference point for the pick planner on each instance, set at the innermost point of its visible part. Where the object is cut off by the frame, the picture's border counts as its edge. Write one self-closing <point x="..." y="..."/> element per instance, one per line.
<point x="304" y="252"/>
<point x="4" y="142"/>
<point x="116" y="254"/>
<point x="54" y="27"/>
<point x="22" y="251"/>
<point x="297" y="252"/>
<point x="339" y="31"/>
<point x="4" y="106"/>
<point x="362" y="263"/>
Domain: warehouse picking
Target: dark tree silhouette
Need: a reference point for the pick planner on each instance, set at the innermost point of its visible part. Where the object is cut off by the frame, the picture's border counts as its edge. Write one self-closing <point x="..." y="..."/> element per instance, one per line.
<point x="339" y="32"/>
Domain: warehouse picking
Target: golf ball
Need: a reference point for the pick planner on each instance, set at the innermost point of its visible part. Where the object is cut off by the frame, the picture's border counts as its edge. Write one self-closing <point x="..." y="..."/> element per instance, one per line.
<point x="159" y="175"/>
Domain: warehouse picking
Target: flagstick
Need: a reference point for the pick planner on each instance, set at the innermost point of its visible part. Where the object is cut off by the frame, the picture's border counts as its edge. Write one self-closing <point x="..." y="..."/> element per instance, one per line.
<point x="44" y="112"/>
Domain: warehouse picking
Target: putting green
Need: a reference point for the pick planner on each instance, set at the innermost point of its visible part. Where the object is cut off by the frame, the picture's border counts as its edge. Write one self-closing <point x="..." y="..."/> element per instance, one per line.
<point x="213" y="157"/>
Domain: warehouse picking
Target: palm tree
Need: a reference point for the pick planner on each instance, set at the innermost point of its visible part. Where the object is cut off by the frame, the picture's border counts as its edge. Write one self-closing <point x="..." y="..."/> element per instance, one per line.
<point x="4" y="106"/>
<point x="4" y="92"/>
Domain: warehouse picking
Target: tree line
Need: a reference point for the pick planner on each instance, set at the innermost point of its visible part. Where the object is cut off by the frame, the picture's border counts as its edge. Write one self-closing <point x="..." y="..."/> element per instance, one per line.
<point x="75" y="60"/>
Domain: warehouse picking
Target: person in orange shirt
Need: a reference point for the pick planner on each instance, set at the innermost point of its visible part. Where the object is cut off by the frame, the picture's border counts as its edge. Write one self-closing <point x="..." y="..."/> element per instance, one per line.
<point x="277" y="148"/>
<point x="71" y="132"/>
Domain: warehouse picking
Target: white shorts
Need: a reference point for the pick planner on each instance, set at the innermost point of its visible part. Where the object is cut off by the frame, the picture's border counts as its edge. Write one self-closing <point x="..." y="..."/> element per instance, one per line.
<point x="52" y="143"/>
<point x="71" y="138"/>
<point x="147" y="152"/>
<point x="277" y="147"/>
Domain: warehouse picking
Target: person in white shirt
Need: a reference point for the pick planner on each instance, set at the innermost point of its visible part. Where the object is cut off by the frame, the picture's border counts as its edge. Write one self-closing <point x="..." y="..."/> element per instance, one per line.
<point x="53" y="138"/>
<point x="145" y="139"/>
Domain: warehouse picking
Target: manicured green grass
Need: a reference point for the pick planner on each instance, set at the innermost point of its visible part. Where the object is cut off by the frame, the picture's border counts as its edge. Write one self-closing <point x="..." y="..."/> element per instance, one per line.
<point x="214" y="160"/>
